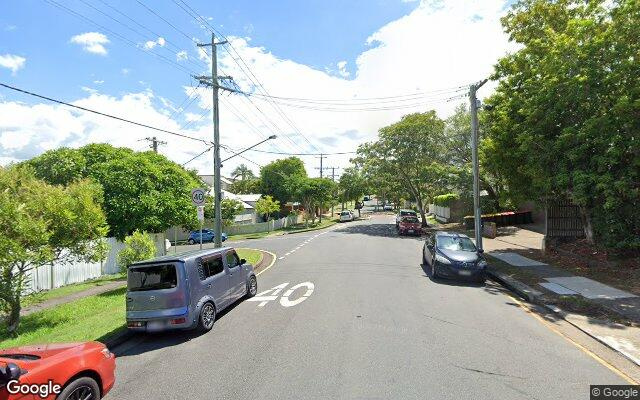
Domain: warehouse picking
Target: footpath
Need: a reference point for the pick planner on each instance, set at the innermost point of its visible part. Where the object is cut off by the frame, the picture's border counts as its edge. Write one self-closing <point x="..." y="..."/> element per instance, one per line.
<point x="612" y="315"/>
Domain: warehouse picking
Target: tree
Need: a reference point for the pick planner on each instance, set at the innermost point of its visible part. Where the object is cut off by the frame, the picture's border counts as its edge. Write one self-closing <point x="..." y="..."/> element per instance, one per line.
<point x="243" y="172"/>
<point x="246" y="186"/>
<point x="142" y="191"/>
<point x="313" y="193"/>
<point x="276" y="178"/>
<point x="564" y="122"/>
<point x="412" y="153"/>
<point x="137" y="247"/>
<point x="43" y="224"/>
<point x="229" y="208"/>
<point x="352" y="185"/>
<point x="267" y="205"/>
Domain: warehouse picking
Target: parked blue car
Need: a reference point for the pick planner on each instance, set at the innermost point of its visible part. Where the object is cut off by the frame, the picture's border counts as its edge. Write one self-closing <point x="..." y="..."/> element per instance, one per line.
<point x="207" y="236"/>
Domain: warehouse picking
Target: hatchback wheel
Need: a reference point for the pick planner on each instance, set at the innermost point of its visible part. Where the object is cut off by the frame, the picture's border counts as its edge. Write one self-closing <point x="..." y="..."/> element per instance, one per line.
<point x="252" y="286"/>
<point x="191" y="241"/>
<point x="83" y="388"/>
<point x="207" y="317"/>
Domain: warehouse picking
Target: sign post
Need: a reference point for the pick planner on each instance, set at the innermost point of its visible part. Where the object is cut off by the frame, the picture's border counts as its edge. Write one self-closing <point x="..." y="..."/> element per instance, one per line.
<point x="197" y="198"/>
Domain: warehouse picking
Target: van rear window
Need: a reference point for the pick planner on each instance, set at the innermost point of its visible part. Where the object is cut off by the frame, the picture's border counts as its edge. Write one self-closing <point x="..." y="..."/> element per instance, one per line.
<point x="152" y="277"/>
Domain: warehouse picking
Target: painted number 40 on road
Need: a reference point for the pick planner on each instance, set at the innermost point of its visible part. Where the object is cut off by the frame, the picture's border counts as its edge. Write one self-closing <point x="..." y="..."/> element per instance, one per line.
<point x="285" y="299"/>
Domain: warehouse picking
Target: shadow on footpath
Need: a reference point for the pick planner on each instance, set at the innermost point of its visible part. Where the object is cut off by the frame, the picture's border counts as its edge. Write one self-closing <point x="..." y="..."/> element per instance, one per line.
<point x="159" y="340"/>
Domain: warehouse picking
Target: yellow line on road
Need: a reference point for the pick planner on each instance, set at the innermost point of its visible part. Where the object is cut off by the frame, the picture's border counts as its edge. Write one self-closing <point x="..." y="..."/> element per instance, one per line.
<point x="578" y="345"/>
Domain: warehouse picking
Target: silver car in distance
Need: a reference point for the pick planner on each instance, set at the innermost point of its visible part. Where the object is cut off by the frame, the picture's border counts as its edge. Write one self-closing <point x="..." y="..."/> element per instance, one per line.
<point x="187" y="290"/>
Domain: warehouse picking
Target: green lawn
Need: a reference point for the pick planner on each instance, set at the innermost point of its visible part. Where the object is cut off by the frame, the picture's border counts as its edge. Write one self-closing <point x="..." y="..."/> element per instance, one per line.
<point x="252" y="256"/>
<point x="89" y="318"/>
<point x="39" y="297"/>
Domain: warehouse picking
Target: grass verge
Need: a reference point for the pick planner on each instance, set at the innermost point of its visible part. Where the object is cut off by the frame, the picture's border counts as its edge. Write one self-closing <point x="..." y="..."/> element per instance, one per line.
<point x="252" y="256"/>
<point x="290" y="229"/>
<point x="37" y="298"/>
<point x="90" y="318"/>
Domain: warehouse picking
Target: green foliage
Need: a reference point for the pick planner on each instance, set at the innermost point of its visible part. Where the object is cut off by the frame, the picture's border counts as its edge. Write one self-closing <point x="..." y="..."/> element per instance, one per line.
<point x="246" y="186"/>
<point x="278" y="176"/>
<point x="243" y="172"/>
<point x="565" y="114"/>
<point x="445" y="200"/>
<point x="229" y="208"/>
<point x="142" y="191"/>
<point x="352" y="184"/>
<point x="267" y="205"/>
<point x="41" y="224"/>
<point x="313" y="193"/>
<point x="137" y="247"/>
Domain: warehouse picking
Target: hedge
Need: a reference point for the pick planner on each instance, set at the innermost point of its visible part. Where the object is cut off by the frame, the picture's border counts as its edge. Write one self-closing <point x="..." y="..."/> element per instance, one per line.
<point x="445" y="200"/>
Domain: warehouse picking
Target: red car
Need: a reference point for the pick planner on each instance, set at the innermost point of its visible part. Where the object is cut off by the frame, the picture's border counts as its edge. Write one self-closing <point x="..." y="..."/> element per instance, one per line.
<point x="409" y="225"/>
<point x="69" y="371"/>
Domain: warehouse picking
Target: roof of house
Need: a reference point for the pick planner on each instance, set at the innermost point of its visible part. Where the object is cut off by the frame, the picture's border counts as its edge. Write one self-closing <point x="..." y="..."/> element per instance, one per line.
<point x="208" y="179"/>
<point x="228" y="195"/>
<point x="249" y="197"/>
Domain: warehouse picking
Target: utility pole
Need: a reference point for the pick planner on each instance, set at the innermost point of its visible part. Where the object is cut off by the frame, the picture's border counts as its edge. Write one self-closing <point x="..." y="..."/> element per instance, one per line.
<point x="474" y="159"/>
<point x="154" y="143"/>
<point x="213" y="82"/>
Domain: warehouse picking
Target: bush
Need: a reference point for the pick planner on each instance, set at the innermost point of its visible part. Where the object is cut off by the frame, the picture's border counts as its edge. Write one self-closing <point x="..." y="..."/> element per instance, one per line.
<point x="139" y="246"/>
<point x="445" y="200"/>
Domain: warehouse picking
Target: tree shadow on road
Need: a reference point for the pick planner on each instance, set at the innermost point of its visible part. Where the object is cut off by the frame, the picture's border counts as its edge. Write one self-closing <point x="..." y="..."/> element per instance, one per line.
<point x="159" y="340"/>
<point x="380" y="230"/>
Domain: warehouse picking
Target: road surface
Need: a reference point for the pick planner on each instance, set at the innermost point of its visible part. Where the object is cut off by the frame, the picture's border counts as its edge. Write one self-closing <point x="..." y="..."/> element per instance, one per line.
<point x="375" y="326"/>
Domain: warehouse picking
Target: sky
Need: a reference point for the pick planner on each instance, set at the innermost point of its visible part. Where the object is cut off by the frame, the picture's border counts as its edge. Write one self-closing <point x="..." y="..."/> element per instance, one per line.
<point x="323" y="76"/>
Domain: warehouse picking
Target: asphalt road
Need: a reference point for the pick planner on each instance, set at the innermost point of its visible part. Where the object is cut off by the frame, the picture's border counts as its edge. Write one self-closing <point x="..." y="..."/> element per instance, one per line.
<point x="375" y="326"/>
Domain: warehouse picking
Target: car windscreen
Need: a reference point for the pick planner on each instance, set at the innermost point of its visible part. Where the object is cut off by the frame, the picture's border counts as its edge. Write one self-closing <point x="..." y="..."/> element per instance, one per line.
<point x="455" y="243"/>
<point x="410" y="220"/>
<point x="345" y="213"/>
<point x="152" y="277"/>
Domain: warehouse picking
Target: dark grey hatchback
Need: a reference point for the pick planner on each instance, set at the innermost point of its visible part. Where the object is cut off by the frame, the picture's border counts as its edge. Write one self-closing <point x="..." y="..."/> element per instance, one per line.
<point x="453" y="255"/>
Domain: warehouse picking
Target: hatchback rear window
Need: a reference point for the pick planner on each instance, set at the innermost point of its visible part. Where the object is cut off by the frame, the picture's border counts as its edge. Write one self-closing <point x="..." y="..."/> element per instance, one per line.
<point x="152" y="277"/>
<point x="410" y="220"/>
<point x="403" y="213"/>
<point x="345" y="213"/>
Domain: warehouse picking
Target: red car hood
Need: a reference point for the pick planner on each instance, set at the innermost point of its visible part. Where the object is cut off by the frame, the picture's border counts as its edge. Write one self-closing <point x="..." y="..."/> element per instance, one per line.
<point x="46" y="350"/>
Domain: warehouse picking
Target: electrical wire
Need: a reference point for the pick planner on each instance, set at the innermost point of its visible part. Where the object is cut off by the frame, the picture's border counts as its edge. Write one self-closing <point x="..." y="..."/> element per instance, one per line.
<point x="103" y="114"/>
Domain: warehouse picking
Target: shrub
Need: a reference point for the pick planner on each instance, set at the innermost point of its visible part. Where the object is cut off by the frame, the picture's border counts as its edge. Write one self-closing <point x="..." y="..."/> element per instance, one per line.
<point x="445" y="200"/>
<point x="139" y="246"/>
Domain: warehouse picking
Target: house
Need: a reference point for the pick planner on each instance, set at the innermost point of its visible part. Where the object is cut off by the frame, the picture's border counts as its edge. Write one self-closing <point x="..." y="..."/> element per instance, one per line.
<point x="248" y="201"/>
<point x="224" y="181"/>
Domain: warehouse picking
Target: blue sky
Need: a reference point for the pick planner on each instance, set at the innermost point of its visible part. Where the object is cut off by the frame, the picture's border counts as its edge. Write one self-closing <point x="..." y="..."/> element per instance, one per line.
<point x="314" y="33"/>
<point x="342" y="50"/>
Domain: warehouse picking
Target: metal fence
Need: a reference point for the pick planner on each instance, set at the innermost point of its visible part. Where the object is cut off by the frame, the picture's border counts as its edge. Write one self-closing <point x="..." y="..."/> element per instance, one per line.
<point x="564" y="220"/>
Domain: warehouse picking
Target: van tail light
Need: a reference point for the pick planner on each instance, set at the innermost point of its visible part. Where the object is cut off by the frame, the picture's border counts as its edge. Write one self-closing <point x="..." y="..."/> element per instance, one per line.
<point x="178" y="321"/>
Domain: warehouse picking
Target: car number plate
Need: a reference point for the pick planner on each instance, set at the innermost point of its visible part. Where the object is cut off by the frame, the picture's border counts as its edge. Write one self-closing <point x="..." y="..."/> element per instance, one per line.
<point x="465" y="273"/>
<point x="410" y="231"/>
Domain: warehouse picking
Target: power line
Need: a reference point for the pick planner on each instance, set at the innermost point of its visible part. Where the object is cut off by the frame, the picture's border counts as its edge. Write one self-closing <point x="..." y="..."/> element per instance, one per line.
<point x="103" y="114"/>
<point x="304" y="154"/>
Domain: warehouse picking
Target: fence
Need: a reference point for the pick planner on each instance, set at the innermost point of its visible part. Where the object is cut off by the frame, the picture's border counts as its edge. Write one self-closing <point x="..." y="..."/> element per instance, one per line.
<point x="564" y="220"/>
<point x="53" y="276"/>
<point x="441" y="213"/>
<point x="263" y="226"/>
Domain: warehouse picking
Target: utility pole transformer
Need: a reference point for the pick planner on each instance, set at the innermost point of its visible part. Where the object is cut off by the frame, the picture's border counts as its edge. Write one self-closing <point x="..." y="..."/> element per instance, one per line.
<point x="474" y="159"/>
<point x="154" y="143"/>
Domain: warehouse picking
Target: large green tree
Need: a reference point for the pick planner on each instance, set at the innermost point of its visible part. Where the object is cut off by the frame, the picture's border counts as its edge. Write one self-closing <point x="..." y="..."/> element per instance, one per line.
<point x="275" y="178"/>
<point x="566" y="113"/>
<point x="313" y="193"/>
<point x="142" y="190"/>
<point x="41" y="224"/>
<point x="243" y="172"/>
<point x="246" y="186"/>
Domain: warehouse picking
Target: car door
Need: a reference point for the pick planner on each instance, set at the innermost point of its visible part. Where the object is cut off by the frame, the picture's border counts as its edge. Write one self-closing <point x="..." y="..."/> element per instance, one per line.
<point x="236" y="276"/>
<point x="216" y="281"/>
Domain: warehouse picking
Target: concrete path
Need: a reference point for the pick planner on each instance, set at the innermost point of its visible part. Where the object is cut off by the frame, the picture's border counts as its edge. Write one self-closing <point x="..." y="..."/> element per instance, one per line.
<point x="106" y="287"/>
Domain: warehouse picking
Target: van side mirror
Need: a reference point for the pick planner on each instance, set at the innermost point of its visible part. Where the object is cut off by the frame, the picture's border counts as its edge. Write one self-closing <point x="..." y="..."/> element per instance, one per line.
<point x="9" y="372"/>
<point x="243" y="261"/>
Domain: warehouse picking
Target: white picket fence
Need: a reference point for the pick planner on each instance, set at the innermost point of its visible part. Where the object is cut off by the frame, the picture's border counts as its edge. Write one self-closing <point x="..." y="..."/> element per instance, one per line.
<point x="441" y="213"/>
<point x="263" y="226"/>
<point x="53" y="276"/>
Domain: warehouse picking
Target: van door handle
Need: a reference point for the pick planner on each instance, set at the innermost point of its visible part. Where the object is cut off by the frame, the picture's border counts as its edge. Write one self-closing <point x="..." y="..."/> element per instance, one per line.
<point x="209" y="286"/>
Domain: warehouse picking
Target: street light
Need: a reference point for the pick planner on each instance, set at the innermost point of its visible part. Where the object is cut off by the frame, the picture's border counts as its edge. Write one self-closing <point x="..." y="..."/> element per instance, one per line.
<point x="248" y="148"/>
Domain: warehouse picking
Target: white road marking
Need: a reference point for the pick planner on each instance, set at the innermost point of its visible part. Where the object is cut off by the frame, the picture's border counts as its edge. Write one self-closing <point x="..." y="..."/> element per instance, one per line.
<point x="280" y="258"/>
<point x="264" y="299"/>
<point x="284" y="300"/>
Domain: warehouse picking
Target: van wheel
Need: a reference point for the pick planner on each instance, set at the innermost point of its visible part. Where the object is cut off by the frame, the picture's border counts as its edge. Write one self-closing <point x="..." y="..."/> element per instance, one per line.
<point x="252" y="287"/>
<point x="83" y="388"/>
<point x="207" y="317"/>
<point x="191" y="241"/>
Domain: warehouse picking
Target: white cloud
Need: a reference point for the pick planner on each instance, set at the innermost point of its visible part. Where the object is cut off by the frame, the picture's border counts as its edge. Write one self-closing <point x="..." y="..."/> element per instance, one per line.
<point x="12" y="62"/>
<point x="181" y="55"/>
<point x="426" y="50"/>
<point x="98" y="82"/>
<point x="9" y="28"/>
<point x="125" y="71"/>
<point x="92" y="42"/>
<point x="153" y="43"/>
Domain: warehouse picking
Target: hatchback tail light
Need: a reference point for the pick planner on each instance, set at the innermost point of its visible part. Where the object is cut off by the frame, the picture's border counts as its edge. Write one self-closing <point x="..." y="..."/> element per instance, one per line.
<point x="178" y="321"/>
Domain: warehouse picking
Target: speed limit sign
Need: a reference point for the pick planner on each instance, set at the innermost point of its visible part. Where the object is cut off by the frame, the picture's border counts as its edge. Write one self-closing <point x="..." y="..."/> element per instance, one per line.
<point x="197" y="197"/>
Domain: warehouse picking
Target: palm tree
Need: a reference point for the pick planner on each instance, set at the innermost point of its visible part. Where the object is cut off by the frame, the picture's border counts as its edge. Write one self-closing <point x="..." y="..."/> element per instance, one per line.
<point x="243" y="172"/>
